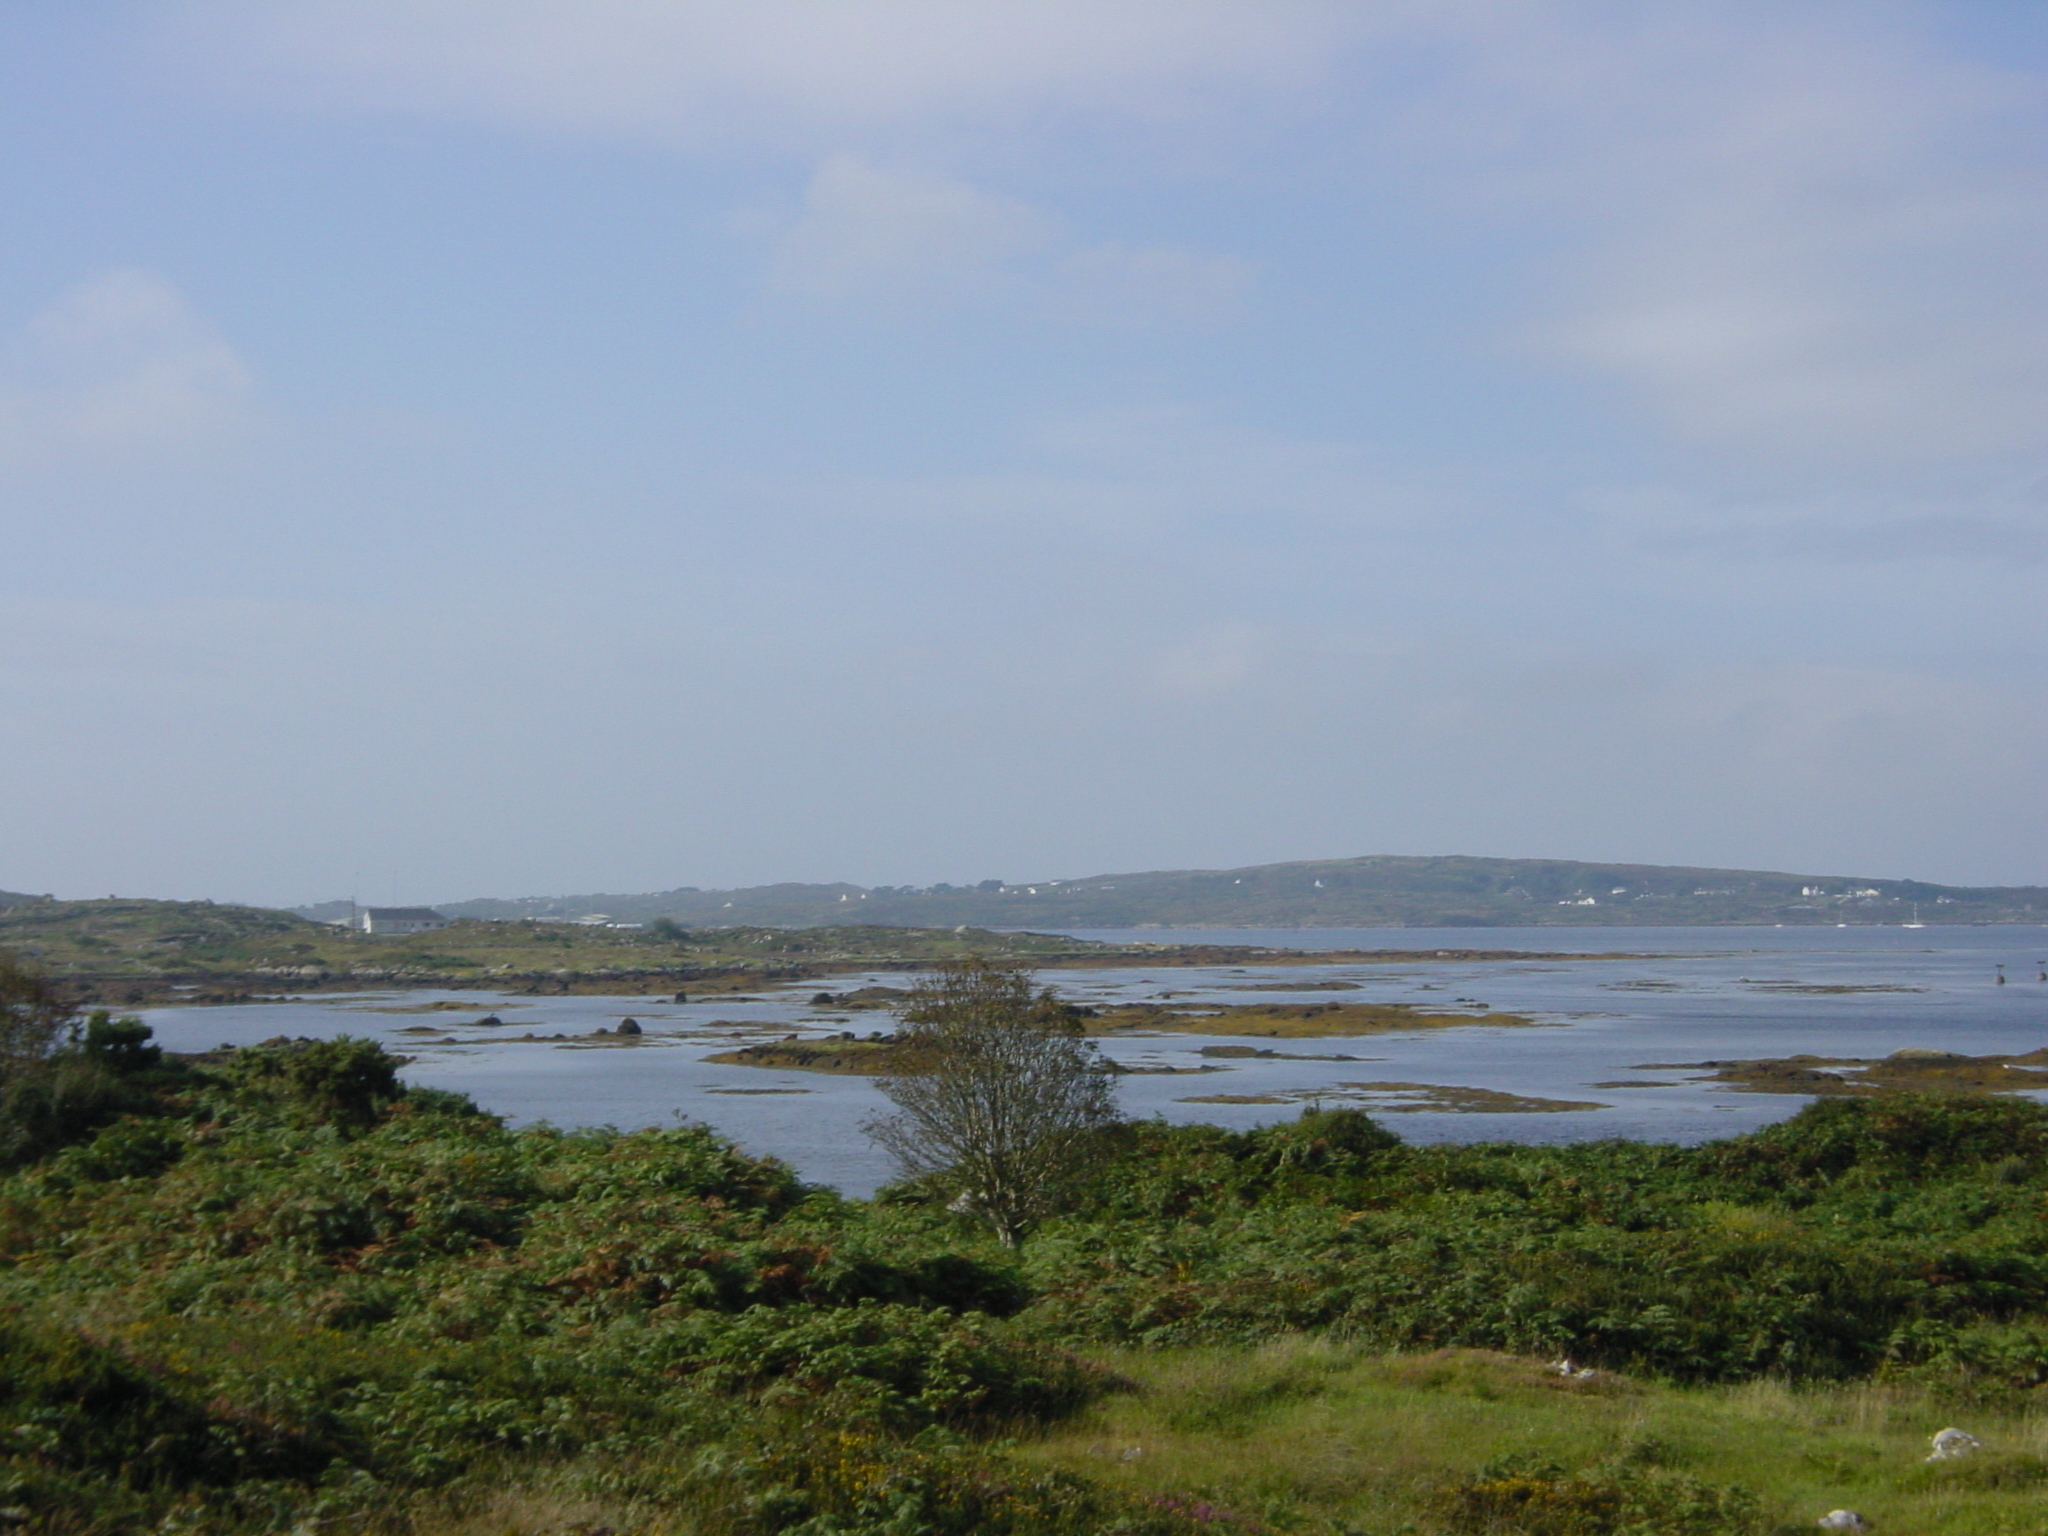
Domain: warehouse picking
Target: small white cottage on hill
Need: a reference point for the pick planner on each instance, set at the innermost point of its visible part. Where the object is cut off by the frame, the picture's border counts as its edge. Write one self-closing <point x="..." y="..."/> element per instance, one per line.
<point x="400" y="920"/>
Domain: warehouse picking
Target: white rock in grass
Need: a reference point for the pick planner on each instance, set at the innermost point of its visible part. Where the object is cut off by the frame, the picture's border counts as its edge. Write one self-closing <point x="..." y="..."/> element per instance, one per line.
<point x="1951" y="1443"/>
<point x="1842" y="1520"/>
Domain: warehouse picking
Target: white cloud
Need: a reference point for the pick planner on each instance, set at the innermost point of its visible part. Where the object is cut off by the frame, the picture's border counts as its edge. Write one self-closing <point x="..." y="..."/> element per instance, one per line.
<point x="1144" y="474"/>
<point x="1214" y="662"/>
<point x="1808" y="727"/>
<point x="118" y="368"/>
<point x="864" y="230"/>
<point x="1790" y="236"/>
<point x="704" y="71"/>
<point x="1117" y="284"/>
<point x="1804" y="233"/>
<point x="865" y="233"/>
<point x="2004" y="524"/>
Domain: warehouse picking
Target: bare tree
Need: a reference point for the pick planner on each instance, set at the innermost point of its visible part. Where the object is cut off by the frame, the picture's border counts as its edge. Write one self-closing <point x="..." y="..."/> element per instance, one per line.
<point x="999" y="1091"/>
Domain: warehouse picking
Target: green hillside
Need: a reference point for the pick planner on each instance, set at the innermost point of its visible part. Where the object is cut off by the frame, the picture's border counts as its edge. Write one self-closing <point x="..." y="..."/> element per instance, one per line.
<point x="1382" y="891"/>
<point x="129" y="953"/>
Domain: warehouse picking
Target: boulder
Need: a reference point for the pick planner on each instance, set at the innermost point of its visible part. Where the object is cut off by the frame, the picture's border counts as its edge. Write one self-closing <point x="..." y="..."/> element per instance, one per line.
<point x="1953" y="1443"/>
<point x="628" y="1027"/>
<point x="1842" y="1520"/>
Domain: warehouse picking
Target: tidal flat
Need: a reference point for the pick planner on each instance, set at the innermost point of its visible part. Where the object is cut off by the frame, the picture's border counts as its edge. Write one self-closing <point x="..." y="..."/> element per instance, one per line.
<point x="1405" y="1099"/>
<point x="1912" y="1070"/>
<point x="1716" y="995"/>
<point x="1305" y="1021"/>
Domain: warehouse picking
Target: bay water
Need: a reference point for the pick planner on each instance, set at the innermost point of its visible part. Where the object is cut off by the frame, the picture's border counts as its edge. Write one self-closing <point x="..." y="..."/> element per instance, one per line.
<point x="1644" y="997"/>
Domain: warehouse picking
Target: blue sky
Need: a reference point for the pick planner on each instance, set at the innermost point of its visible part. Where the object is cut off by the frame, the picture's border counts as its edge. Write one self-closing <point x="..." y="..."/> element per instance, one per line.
<point x="454" y="448"/>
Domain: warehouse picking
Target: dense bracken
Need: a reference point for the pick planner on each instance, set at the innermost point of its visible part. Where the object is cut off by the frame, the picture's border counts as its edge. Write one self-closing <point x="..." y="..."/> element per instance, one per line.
<point x="280" y="1286"/>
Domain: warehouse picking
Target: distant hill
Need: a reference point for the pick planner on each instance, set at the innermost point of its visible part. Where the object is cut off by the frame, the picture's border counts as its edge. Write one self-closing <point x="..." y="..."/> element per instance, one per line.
<point x="125" y="952"/>
<point x="1375" y="892"/>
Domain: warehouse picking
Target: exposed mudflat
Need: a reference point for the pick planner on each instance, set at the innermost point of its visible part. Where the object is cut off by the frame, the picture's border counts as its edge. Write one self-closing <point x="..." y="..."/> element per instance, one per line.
<point x="1408" y="1099"/>
<point x="1912" y="1070"/>
<point x="1286" y="1021"/>
<point x="846" y="1058"/>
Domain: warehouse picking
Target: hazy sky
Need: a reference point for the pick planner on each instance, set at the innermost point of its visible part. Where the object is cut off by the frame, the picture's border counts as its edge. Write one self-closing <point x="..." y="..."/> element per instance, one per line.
<point x="461" y="447"/>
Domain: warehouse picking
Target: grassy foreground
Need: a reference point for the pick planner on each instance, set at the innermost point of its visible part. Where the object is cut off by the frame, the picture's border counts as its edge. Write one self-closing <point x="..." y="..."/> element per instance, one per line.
<point x="280" y="1291"/>
<point x="1449" y="1439"/>
<point x="1305" y="1434"/>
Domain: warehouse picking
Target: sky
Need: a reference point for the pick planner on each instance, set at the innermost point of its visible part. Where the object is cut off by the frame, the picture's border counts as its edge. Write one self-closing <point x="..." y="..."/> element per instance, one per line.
<point x="489" y="447"/>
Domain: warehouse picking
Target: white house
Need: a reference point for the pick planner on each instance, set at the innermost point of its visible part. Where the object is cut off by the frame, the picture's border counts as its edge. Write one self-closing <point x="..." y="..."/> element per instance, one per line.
<point x="400" y="920"/>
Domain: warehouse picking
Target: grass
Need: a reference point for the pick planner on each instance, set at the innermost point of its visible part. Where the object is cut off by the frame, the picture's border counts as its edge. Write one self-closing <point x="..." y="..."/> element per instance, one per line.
<point x="1369" y="1441"/>
<point x="1306" y="1435"/>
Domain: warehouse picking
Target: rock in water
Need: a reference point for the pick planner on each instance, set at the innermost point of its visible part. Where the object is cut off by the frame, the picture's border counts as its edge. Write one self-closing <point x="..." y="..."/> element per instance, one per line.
<point x="629" y="1027"/>
<point x="1951" y="1443"/>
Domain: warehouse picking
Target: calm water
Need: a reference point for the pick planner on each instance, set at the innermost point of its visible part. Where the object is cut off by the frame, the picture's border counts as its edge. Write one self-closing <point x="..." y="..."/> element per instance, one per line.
<point x="1681" y="995"/>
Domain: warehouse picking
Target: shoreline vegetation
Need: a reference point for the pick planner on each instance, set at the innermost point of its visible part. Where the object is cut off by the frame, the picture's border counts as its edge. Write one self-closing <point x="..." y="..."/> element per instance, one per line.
<point x="277" y="1288"/>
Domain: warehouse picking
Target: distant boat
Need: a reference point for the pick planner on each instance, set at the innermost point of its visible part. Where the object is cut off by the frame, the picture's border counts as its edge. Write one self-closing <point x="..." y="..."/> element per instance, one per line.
<point x="1916" y="923"/>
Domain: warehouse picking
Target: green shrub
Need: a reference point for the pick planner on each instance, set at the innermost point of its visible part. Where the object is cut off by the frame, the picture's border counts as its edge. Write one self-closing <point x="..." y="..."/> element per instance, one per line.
<point x="848" y="1481"/>
<point x="298" y="1259"/>
<point x="77" y="1407"/>
<point x="1896" y="1137"/>
<point x="49" y="1104"/>
<point x="908" y="1366"/>
<point x="131" y="1148"/>
<point x="120" y="1045"/>
<point x="1531" y="1498"/>
<point x="343" y="1082"/>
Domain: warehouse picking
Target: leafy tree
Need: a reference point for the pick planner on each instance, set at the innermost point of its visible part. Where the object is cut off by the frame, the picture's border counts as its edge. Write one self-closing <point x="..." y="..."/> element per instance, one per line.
<point x="120" y="1044"/>
<point x="1000" y="1095"/>
<point x="56" y="1085"/>
<point x="34" y="1016"/>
